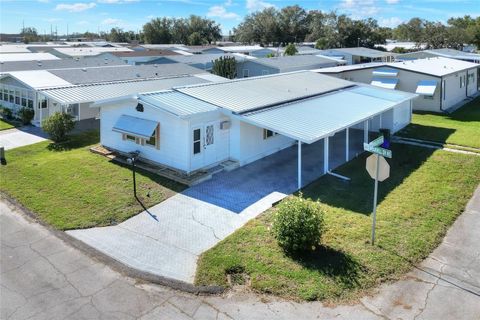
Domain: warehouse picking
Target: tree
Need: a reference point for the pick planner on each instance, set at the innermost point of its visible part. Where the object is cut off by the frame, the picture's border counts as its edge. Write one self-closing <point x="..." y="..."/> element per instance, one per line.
<point x="58" y="125"/>
<point x="410" y="31"/>
<point x="290" y="50"/>
<point x="434" y="35"/>
<point x="293" y="24"/>
<point x="29" y="34"/>
<point x="260" y="27"/>
<point x="225" y="67"/>
<point x="158" y="30"/>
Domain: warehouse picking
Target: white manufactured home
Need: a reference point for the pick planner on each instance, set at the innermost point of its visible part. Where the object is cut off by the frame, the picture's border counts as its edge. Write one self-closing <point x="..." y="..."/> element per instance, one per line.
<point x="443" y="84"/>
<point x="196" y="127"/>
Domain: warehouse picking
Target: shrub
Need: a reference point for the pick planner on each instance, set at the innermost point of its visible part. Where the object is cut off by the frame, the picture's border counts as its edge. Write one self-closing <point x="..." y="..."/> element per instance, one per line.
<point x="58" y="126"/>
<point x="26" y="115"/>
<point x="6" y="113"/>
<point x="298" y="224"/>
<point x="290" y="50"/>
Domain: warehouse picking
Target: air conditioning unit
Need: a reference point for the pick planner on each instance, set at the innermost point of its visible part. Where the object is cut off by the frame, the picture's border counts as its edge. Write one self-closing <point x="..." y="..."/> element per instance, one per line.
<point x="225" y="125"/>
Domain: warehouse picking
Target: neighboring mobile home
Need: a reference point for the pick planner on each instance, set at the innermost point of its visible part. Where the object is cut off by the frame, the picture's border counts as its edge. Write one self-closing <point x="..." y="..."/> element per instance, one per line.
<point x="359" y="55"/>
<point x="442" y="84"/>
<point x="442" y="52"/>
<point x="196" y="127"/>
<point x="264" y="66"/>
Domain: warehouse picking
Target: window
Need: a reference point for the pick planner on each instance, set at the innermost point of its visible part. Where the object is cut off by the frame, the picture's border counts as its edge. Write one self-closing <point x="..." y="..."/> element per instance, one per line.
<point x="154" y="140"/>
<point x="129" y="137"/>
<point x="268" y="134"/>
<point x="245" y="73"/>
<point x="30" y="103"/>
<point x="24" y="102"/>
<point x="197" y="141"/>
<point x="444" y="88"/>
<point x="17" y="97"/>
<point x="5" y="95"/>
<point x="428" y="97"/>
<point x="12" y="96"/>
<point x="42" y="104"/>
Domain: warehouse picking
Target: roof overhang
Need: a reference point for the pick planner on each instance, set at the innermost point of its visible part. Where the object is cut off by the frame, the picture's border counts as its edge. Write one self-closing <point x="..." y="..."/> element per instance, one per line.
<point x="137" y="127"/>
<point x="387" y="83"/>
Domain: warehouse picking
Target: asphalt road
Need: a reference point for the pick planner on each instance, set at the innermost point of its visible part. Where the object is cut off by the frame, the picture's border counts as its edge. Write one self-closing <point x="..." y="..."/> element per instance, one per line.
<point x="41" y="277"/>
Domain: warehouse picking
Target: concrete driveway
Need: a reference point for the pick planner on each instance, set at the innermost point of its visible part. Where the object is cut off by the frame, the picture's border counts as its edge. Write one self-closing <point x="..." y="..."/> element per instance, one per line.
<point x="167" y="240"/>
<point x="19" y="137"/>
<point x="44" y="278"/>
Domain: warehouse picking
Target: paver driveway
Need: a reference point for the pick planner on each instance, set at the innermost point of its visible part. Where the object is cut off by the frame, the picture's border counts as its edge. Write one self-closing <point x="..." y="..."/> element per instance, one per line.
<point x="168" y="239"/>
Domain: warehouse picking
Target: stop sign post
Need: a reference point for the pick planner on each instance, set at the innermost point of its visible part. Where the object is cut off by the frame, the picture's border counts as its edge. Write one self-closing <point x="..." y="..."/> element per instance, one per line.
<point x="379" y="169"/>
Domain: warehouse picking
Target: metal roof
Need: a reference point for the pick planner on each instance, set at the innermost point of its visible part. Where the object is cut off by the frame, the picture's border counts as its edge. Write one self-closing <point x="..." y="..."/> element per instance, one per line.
<point x="89" y="51"/>
<point x="361" y="51"/>
<point x="351" y="67"/>
<point x="37" y="79"/>
<point x="88" y="62"/>
<point x="4" y="57"/>
<point x="313" y="119"/>
<point x="437" y="66"/>
<point x="176" y="103"/>
<point x="288" y="63"/>
<point x="97" y="92"/>
<point x="13" y="48"/>
<point x="455" y="54"/>
<point x="246" y="94"/>
<point x="125" y="72"/>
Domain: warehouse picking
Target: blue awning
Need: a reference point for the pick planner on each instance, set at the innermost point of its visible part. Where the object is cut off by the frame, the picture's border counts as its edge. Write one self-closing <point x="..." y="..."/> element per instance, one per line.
<point x="426" y="87"/>
<point x="141" y="128"/>
<point x="387" y="83"/>
<point x="385" y="72"/>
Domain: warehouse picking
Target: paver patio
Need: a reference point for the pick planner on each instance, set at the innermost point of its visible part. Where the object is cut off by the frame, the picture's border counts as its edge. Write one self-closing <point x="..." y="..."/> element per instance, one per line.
<point x="167" y="240"/>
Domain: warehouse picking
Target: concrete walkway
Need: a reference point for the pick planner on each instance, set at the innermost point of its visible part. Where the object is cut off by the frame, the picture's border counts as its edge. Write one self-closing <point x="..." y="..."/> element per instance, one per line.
<point x="167" y="240"/>
<point x="19" y="137"/>
<point x="41" y="277"/>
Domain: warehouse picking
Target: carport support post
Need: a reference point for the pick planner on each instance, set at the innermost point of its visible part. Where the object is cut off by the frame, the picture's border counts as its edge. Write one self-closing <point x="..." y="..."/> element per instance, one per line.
<point x="347" y="155"/>
<point x="299" y="178"/>
<point x="365" y="131"/>
<point x="325" y="155"/>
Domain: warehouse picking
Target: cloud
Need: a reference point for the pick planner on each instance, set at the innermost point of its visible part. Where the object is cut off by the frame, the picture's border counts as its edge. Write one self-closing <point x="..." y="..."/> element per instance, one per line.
<point x="257" y="5"/>
<point x="110" y="21"/>
<point x="359" y="9"/>
<point x="221" y="12"/>
<point x="75" y="7"/>
<point x="392" y="1"/>
<point x="390" y="22"/>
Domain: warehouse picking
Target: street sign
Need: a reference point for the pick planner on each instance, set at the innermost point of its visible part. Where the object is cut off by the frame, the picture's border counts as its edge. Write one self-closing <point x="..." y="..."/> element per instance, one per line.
<point x="383" y="169"/>
<point x="378" y="150"/>
<point x="378" y="169"/>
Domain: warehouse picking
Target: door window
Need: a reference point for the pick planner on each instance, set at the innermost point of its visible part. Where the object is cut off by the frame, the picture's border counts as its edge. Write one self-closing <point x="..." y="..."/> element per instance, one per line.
<point x="209" y="135"/>
<point x="197" y="143"/>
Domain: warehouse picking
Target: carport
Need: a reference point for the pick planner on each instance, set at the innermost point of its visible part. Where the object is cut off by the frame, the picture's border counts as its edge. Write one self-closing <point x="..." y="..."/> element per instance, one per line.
<point x="321" y="117"/>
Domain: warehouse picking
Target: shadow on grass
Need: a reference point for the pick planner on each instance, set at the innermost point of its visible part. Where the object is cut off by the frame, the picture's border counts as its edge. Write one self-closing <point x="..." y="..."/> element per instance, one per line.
<point x="332" y="263"/>
<point x="357" y="194"/>
<point x="76" y="141"/>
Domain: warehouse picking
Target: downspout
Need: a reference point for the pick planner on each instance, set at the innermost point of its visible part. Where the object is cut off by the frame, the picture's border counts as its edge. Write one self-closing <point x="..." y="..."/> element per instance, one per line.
<point x="441" y="94"/>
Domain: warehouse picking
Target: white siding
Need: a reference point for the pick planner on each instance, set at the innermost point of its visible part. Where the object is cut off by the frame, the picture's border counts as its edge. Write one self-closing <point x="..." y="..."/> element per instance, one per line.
<point x="173" y="135"/>
<point x="247" y="143"/>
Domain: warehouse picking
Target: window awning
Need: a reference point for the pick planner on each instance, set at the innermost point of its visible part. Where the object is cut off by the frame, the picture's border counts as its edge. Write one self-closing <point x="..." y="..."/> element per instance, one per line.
<point x="386" y="83"/>
<point x="385" y="72"/>
<point x="426" y="87"/>
<point x="134" y="126"/>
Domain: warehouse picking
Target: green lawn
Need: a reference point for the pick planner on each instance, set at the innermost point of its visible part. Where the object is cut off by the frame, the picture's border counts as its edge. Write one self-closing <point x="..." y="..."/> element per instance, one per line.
<point x="70" y="187"/>
<point x="427" y="190"/>
<point x="4" y="124"/>
<point x="461" y="127"/>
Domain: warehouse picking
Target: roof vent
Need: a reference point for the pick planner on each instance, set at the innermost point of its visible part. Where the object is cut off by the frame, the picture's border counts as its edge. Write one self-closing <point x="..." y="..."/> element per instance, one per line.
<point x="84" y="69"/>
<point x="39" y="63"/>
<point x="138" y="75"/>
<point x="77" y="59"/>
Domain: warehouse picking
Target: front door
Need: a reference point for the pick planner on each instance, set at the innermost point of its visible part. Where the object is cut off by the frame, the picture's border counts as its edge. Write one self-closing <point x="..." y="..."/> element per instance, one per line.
<point x="197" y="148"/>
<point x="209" y="144"/>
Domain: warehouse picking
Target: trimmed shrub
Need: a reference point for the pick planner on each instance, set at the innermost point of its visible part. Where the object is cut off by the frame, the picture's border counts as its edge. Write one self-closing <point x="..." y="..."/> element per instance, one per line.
<point x="58" y="126"/>
<point x="298" y="224"/>
<point x="290" y="50"/>
<point x="6" y="113"/>
<point x="26" y="115"/>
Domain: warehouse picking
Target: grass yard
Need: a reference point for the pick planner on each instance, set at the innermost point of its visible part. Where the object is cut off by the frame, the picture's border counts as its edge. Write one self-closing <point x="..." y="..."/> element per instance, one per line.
<point x="4" y="124"/>
<point x="462" y="127"/>
<point x="70" y="187"/>
<point x="425" y="193"/>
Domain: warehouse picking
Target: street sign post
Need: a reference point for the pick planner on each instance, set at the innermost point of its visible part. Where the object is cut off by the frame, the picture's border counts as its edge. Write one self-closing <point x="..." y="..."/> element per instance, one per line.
<point x="379" y="169"/>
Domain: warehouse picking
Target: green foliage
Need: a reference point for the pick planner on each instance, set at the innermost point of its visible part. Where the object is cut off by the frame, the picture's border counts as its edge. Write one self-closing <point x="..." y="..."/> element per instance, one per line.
<point x="225" y="67"/>
<point x="270" y="55"/>
<point x="290" y="50"/>
<point x="298" y="224"/>
<point x="321" y="44"/>
<point x="58" y="126"/>
<point x="26" y="115"/>
<point x="193" y="30"/>
<point x="6" y="113"/>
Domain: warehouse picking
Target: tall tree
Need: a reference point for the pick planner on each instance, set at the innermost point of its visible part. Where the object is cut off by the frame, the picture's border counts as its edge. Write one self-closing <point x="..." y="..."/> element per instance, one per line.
<point x="293" y="24"/>
<point x="158" y="30"/>
<point x="29" y="34"/>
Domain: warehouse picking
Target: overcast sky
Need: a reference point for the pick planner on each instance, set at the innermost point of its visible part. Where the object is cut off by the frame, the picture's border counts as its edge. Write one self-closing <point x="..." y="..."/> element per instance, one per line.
<point x="94" y="15"/>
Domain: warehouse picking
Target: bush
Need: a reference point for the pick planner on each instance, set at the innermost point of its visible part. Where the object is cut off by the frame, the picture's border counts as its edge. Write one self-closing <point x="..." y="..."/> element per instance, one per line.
<point x="58" y="126"/>
<point x="290" y="50"/>
<point x="298" y="224"/>
<point x="26" y="115"/>
<point x="6" y="113"/>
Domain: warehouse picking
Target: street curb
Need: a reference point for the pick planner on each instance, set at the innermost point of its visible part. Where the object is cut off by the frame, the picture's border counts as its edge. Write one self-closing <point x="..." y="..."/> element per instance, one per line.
<point x="109" y="261"/>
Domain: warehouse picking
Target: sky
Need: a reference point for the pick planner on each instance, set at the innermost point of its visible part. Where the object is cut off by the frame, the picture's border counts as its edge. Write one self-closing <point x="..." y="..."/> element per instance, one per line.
<point x="102" y="15"/>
